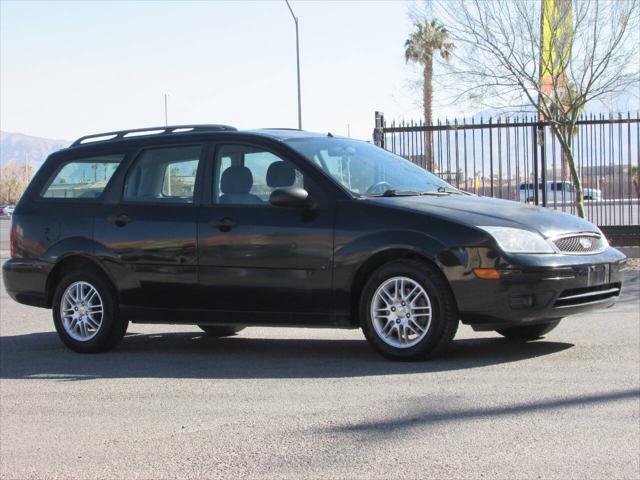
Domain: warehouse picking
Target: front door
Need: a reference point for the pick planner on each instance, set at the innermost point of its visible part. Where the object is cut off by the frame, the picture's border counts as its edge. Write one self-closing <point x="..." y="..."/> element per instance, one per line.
<point x="149" y="237"/>
<point x="255" y="257"/>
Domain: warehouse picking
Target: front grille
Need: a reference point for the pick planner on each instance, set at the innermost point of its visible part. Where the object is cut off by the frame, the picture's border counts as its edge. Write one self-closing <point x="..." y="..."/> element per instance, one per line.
<point x="581" y="243"/>
<point x="581" y="296"/>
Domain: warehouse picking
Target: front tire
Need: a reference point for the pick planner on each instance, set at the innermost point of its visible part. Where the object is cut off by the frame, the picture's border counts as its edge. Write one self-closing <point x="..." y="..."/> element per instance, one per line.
<point x="530" y="332"/>
<point x="85" y="313"/>
<point x="407" y="311"/>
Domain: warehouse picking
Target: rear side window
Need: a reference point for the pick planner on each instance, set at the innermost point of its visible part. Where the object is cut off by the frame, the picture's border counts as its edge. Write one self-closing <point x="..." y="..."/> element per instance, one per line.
<point x="164" y="175"/>
<point x="83" y="178"/>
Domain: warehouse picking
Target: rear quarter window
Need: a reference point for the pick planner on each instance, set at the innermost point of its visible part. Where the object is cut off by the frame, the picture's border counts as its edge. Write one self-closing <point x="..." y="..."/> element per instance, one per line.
<point x="82" y="177"/>
<point x="164" y="174"/>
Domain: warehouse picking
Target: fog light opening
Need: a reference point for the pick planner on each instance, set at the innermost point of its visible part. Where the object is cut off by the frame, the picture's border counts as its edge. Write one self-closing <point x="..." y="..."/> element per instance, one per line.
<point x="520" y="302"/>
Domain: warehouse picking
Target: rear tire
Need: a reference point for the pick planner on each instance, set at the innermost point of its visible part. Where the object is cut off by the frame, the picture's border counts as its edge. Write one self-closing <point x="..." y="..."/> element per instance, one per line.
<point x="85" y="312"/>
<point x="218" y="332"/>
<point x="530" y="332"/>
<point x="402" y="324"/>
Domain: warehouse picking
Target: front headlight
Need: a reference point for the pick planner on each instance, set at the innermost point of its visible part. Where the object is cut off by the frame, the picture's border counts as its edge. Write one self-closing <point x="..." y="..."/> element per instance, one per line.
<point x="516" y="240"/>
<point x="604" y="240"/>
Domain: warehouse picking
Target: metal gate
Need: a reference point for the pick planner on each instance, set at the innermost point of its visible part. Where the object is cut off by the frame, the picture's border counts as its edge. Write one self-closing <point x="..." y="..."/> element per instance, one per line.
<point x="518" y="158"/>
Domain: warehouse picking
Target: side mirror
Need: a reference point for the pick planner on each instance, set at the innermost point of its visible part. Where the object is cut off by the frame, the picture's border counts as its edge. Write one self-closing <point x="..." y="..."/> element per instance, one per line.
<point x="290" y="197"/>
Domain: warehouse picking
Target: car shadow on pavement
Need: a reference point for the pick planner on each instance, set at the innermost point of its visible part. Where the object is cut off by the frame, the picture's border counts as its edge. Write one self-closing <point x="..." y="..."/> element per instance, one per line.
<point x="194" y="355"/>
<point x="630" y="290"/>
<point x="428" y="412"/>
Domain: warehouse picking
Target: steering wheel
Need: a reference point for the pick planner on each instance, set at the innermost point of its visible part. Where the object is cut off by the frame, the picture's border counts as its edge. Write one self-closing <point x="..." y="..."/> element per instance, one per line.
<point x="379" y="187"/>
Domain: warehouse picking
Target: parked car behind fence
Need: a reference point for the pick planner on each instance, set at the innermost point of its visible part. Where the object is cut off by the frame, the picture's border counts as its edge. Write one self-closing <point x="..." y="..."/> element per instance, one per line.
<point x="558" y="191"/>
<point x="7" y="210"/>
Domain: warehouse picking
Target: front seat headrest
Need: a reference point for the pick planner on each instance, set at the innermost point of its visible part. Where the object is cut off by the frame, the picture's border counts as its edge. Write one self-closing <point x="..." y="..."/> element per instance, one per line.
<point x="280" y="174"/>
<point x="236" y="179"/>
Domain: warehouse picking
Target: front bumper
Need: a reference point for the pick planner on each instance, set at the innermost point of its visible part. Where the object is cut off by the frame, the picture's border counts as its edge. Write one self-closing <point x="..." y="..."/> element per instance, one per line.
<point x="535" y="288"/>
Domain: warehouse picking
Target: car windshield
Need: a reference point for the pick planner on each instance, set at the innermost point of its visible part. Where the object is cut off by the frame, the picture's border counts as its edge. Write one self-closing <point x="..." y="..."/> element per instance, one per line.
<point x="366" y="170"/>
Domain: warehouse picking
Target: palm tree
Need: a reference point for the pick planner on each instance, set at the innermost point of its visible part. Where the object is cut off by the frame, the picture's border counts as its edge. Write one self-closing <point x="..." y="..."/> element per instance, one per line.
<point x="427" y="38"/>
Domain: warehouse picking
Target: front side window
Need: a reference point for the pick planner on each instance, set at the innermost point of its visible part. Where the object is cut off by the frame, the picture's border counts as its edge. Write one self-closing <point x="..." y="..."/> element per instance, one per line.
<point x="365" y="169"/>
<point x="83" y="178"/>
<point x="163" y="175"/>
<point x="248" y="175"/>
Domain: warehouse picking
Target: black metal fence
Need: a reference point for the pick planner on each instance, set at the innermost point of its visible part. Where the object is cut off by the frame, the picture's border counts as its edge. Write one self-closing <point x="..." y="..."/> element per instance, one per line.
<point x="509" y="157"/>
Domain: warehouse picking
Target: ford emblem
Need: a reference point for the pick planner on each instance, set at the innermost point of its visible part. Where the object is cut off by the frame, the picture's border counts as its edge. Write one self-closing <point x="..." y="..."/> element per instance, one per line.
<point x="586" y="243"/>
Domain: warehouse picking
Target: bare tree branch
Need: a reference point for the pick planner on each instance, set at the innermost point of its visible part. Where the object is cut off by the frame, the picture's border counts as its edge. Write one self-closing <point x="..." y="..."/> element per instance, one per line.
<point x="499" y="60"/>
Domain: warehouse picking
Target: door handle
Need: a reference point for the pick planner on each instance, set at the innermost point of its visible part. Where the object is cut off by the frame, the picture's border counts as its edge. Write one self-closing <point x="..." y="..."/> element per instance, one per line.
<point x="119" y="220"/>
<point x="224" y="225"/>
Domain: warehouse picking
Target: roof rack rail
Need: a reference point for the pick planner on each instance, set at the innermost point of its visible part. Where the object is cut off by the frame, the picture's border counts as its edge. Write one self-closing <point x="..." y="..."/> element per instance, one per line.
<point x="120" y="134"/>
<point x="280" y="128"/>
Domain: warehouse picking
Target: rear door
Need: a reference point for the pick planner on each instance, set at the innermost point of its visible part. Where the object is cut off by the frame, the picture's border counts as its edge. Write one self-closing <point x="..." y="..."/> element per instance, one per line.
<point x="149" y="236"/>
<point x="256" y="257"/>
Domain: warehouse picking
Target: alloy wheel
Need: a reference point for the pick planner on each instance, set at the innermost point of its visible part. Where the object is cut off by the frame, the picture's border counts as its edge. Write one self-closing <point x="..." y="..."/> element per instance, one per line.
<point x="81" y="311"/>
<point x="401" y="312"/>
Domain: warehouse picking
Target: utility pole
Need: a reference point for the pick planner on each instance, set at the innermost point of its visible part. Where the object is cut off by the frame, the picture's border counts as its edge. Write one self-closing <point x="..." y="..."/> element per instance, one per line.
<point x="349" y="130"/>
<point x="295" y="19"/>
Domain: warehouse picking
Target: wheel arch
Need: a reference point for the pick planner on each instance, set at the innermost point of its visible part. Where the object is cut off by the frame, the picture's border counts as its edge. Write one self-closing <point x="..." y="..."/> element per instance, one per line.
<point x="72" y="262"/>
<point x="381" y="258"/>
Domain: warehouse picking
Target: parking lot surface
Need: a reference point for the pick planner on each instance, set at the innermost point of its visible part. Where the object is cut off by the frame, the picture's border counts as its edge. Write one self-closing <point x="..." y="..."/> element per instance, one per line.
<point x="297" y="403"/>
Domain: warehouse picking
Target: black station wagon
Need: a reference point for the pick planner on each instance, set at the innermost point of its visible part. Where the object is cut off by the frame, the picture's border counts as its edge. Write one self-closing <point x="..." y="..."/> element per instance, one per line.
<point x="220" y="228"/>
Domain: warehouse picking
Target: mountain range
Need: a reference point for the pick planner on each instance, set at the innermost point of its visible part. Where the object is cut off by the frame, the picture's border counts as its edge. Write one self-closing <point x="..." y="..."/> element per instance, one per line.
<point x="21" y="148"/>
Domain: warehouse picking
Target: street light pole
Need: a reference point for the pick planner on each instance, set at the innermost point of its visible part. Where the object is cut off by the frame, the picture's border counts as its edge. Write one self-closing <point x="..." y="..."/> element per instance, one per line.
<point x="166" y="116"/>
<point x="295" y="19"/>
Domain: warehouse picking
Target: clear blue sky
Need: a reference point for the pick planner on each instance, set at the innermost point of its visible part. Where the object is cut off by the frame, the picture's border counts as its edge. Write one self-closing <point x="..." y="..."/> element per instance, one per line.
<point x="71" y="68"/>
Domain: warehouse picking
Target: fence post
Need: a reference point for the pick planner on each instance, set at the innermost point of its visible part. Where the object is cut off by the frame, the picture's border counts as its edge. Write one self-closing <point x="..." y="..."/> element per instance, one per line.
<point x="378" y="132"/>
<point x="534" y="144"/>
<point x="543" y="163"/>
<point x="491" y="155"/>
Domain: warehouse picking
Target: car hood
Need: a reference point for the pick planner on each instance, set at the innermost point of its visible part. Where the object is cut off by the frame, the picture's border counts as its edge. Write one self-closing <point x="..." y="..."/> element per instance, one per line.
<point x="483" y="211"/>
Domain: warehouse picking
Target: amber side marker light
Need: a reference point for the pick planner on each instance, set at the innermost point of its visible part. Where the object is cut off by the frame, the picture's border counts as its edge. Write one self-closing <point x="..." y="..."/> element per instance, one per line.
<point x="487" y="273"/>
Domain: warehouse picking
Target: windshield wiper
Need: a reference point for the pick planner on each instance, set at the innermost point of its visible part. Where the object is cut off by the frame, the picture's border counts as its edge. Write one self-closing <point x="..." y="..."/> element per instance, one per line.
<point x="401" y="193"/>
<point x="391" y="192"/>
<point x="435" y="193"/>
<point x="448" y="190"/>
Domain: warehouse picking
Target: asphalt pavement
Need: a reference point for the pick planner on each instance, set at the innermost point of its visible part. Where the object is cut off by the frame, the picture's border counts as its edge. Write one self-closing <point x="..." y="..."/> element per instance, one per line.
<point x="302" y="403"/>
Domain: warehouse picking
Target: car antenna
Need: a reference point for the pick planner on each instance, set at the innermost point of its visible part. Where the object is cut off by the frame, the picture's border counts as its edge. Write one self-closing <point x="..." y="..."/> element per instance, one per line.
<point x="330" y="135"/>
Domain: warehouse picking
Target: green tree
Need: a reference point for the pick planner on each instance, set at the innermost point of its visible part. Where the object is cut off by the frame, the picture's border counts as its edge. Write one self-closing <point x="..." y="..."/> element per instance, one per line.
<point x="428" y="38"/>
